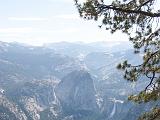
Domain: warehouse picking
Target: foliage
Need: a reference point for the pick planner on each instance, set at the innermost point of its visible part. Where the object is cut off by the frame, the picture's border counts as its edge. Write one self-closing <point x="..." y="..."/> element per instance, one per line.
<point x="140" y="21"/>
<point x="153" y="115"/>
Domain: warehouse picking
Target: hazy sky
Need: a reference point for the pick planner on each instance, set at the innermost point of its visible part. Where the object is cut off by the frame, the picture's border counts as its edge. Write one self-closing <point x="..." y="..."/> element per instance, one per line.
<point x="42" y="21"/>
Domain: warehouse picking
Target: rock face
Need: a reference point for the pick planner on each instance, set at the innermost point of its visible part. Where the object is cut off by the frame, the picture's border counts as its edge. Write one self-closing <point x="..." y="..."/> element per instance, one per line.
<point x="76" y="92"/>
<point x="39" y="83"/>
<point x="9" y="110"/>
<point x="36" y="98"/>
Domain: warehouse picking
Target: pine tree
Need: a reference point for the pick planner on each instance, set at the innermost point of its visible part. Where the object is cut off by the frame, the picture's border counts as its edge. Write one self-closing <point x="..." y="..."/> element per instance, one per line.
<point x="139" y="19"/>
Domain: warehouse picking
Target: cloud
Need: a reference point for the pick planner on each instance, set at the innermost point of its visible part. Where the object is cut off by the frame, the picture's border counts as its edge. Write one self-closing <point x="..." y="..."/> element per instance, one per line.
<point x="27" y="19"/>
<point x="61" y="1"/>
<point x="16" y="30"/>
<point x="68" y="16"/>
<point x="69" y="30"/>
<point x="72" y="0"/>
<point x="36" y="30"/>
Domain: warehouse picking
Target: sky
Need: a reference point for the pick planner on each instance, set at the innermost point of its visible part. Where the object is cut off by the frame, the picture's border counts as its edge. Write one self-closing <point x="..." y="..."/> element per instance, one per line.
<point x="37" y="22"/>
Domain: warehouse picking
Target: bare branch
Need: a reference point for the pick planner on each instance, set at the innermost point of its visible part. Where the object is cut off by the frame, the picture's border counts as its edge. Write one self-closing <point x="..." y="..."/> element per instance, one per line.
<point x="151" y="82"/>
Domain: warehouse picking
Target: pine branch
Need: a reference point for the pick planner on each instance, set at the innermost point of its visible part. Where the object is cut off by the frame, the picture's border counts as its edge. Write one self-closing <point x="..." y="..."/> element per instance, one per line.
<point x="127" y="10"/>
<point x="145" y="3"/>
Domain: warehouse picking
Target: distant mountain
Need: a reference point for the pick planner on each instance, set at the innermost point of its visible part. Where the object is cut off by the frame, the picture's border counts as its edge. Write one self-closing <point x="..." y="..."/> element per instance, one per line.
<point x="67" y="81"/>
<point x="79" y="48"/>
<point x="35" y="62"/>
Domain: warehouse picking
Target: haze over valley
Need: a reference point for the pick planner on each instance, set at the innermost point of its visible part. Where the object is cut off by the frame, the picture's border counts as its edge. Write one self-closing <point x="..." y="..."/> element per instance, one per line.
<point x="67" y="81"/>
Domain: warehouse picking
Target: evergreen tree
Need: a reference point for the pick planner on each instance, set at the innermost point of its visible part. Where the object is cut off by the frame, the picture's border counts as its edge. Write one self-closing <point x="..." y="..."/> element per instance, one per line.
<point x="139" y="19"/>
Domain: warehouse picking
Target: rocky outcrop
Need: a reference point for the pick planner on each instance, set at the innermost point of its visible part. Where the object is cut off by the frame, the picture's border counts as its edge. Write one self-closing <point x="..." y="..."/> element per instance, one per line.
<point x="76" y="92"/>
<point x="9" y="110"/>
<point x="36" y="98"/>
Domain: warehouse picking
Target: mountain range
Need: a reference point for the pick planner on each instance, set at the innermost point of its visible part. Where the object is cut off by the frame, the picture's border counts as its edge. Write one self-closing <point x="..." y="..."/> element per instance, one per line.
<point x="68" y="81"/>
